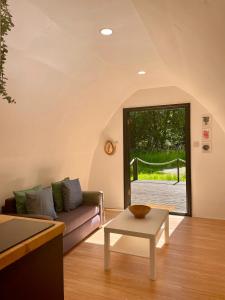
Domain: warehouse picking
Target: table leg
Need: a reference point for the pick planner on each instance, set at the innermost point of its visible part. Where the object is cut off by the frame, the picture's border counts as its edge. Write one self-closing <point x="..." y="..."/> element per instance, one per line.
<point x="166" y="231"/>
<point x="152" y="258"/>
<point x="106" y="250"/>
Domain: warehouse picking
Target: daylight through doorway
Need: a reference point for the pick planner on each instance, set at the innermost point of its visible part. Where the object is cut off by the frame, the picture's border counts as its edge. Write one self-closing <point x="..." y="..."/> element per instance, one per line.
<point x="157" y="157"/>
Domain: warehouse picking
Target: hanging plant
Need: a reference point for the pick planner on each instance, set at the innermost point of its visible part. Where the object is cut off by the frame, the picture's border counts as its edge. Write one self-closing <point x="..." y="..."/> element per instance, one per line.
<point x="6" y="26"/>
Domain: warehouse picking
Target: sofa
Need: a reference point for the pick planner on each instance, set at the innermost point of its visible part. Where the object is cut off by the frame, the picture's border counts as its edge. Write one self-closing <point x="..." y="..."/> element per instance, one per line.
<point x="79" y="223"/>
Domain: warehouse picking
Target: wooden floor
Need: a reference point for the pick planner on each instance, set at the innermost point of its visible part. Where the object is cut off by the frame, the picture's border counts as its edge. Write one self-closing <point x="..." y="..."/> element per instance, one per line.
<point x="191" y="267"/>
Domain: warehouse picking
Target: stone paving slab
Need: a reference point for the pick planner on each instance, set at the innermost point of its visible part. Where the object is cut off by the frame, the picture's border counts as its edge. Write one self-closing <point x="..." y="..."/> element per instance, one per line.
<point x="159" y="192"/>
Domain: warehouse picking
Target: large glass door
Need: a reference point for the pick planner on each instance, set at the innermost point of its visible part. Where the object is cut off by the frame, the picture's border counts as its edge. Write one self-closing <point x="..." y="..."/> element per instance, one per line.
<point x="157" y="157"/>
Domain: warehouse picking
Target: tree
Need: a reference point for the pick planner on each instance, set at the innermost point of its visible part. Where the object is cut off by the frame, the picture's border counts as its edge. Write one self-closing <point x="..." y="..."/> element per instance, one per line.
<point x="157" y="129"/>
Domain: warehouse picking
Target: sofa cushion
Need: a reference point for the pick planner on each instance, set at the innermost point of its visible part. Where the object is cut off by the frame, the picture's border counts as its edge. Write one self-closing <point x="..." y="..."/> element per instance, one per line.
<point x="77" y="217"/>
<point x="57" y="194"/>
<point x="20" y="197"/>
<point x="72" y="194"/>
<point x="41" y="203"/>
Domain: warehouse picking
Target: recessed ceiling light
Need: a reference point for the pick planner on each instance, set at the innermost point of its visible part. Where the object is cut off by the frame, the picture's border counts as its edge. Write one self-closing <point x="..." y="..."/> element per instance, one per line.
<point x="142" y="72"/>
<point x="106" y="31"/>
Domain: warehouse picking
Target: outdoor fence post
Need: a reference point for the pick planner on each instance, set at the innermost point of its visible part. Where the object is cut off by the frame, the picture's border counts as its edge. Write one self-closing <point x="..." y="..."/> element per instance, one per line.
<point x="178" y="171"/>
<point x="135" y="169"/>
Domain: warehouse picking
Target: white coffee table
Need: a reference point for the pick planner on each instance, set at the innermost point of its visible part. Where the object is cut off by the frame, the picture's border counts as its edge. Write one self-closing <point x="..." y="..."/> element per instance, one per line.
<point x="151" y="227"/>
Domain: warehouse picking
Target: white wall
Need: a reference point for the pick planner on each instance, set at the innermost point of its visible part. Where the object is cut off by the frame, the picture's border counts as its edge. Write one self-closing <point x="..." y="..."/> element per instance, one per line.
<point x="208" y="170"/>
<point x="67" y="80"/>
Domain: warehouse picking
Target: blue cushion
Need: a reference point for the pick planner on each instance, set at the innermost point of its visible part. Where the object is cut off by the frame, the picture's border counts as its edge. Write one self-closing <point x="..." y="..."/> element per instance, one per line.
<point x="72" y="194"/>
<point x="41" y="203"/>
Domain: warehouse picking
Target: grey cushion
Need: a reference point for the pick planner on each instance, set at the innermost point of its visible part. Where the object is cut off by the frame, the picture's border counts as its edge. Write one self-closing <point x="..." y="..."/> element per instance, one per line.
<point x="72" y="194"/>
<point x="41" y="203"/>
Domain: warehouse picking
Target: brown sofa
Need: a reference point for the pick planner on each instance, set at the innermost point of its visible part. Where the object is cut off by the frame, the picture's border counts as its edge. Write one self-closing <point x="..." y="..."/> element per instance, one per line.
<point x="79" y="223"/>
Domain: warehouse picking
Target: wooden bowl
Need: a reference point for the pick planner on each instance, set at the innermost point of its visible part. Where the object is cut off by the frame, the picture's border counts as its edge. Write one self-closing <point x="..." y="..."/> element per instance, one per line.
<point x="139" y="211"/>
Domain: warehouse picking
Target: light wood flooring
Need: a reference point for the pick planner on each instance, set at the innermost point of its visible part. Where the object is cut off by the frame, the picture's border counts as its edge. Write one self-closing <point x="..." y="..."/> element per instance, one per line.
<point x="191" y="267"/>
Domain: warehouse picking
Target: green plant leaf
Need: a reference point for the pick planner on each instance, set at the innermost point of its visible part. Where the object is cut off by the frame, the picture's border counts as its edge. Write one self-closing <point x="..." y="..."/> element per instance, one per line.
<point x="6" y="26"/>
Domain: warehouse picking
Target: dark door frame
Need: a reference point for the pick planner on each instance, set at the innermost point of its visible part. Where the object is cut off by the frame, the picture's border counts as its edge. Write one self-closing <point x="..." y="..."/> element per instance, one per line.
<point x="126" y="143"/>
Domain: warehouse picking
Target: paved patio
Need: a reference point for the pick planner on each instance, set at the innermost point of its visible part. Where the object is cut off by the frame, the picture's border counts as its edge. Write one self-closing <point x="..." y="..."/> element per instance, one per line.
<point x="159" y="193"/>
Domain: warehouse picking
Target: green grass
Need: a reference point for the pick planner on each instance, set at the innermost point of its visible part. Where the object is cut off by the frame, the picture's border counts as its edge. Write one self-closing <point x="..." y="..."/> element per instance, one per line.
<point x="146" y="172"/>
<point x="158" y="176"/>
<point x="157" y="157"/>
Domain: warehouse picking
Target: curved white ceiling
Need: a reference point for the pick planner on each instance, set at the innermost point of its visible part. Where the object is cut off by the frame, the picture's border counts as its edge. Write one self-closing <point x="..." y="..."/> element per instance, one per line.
<point x="64" y="38"/>
<point x="190" y="38"/>
<point x="58" y="58"/>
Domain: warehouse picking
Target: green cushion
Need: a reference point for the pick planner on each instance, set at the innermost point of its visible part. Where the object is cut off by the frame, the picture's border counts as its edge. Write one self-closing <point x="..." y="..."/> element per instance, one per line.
<point x="20" y="197"/>
<point x="57" y="194"/>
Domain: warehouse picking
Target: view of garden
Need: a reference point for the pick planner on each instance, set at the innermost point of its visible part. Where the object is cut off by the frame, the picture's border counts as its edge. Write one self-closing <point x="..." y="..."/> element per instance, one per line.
<point x="157" y="137"/>
<point x="157" y="158"/>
